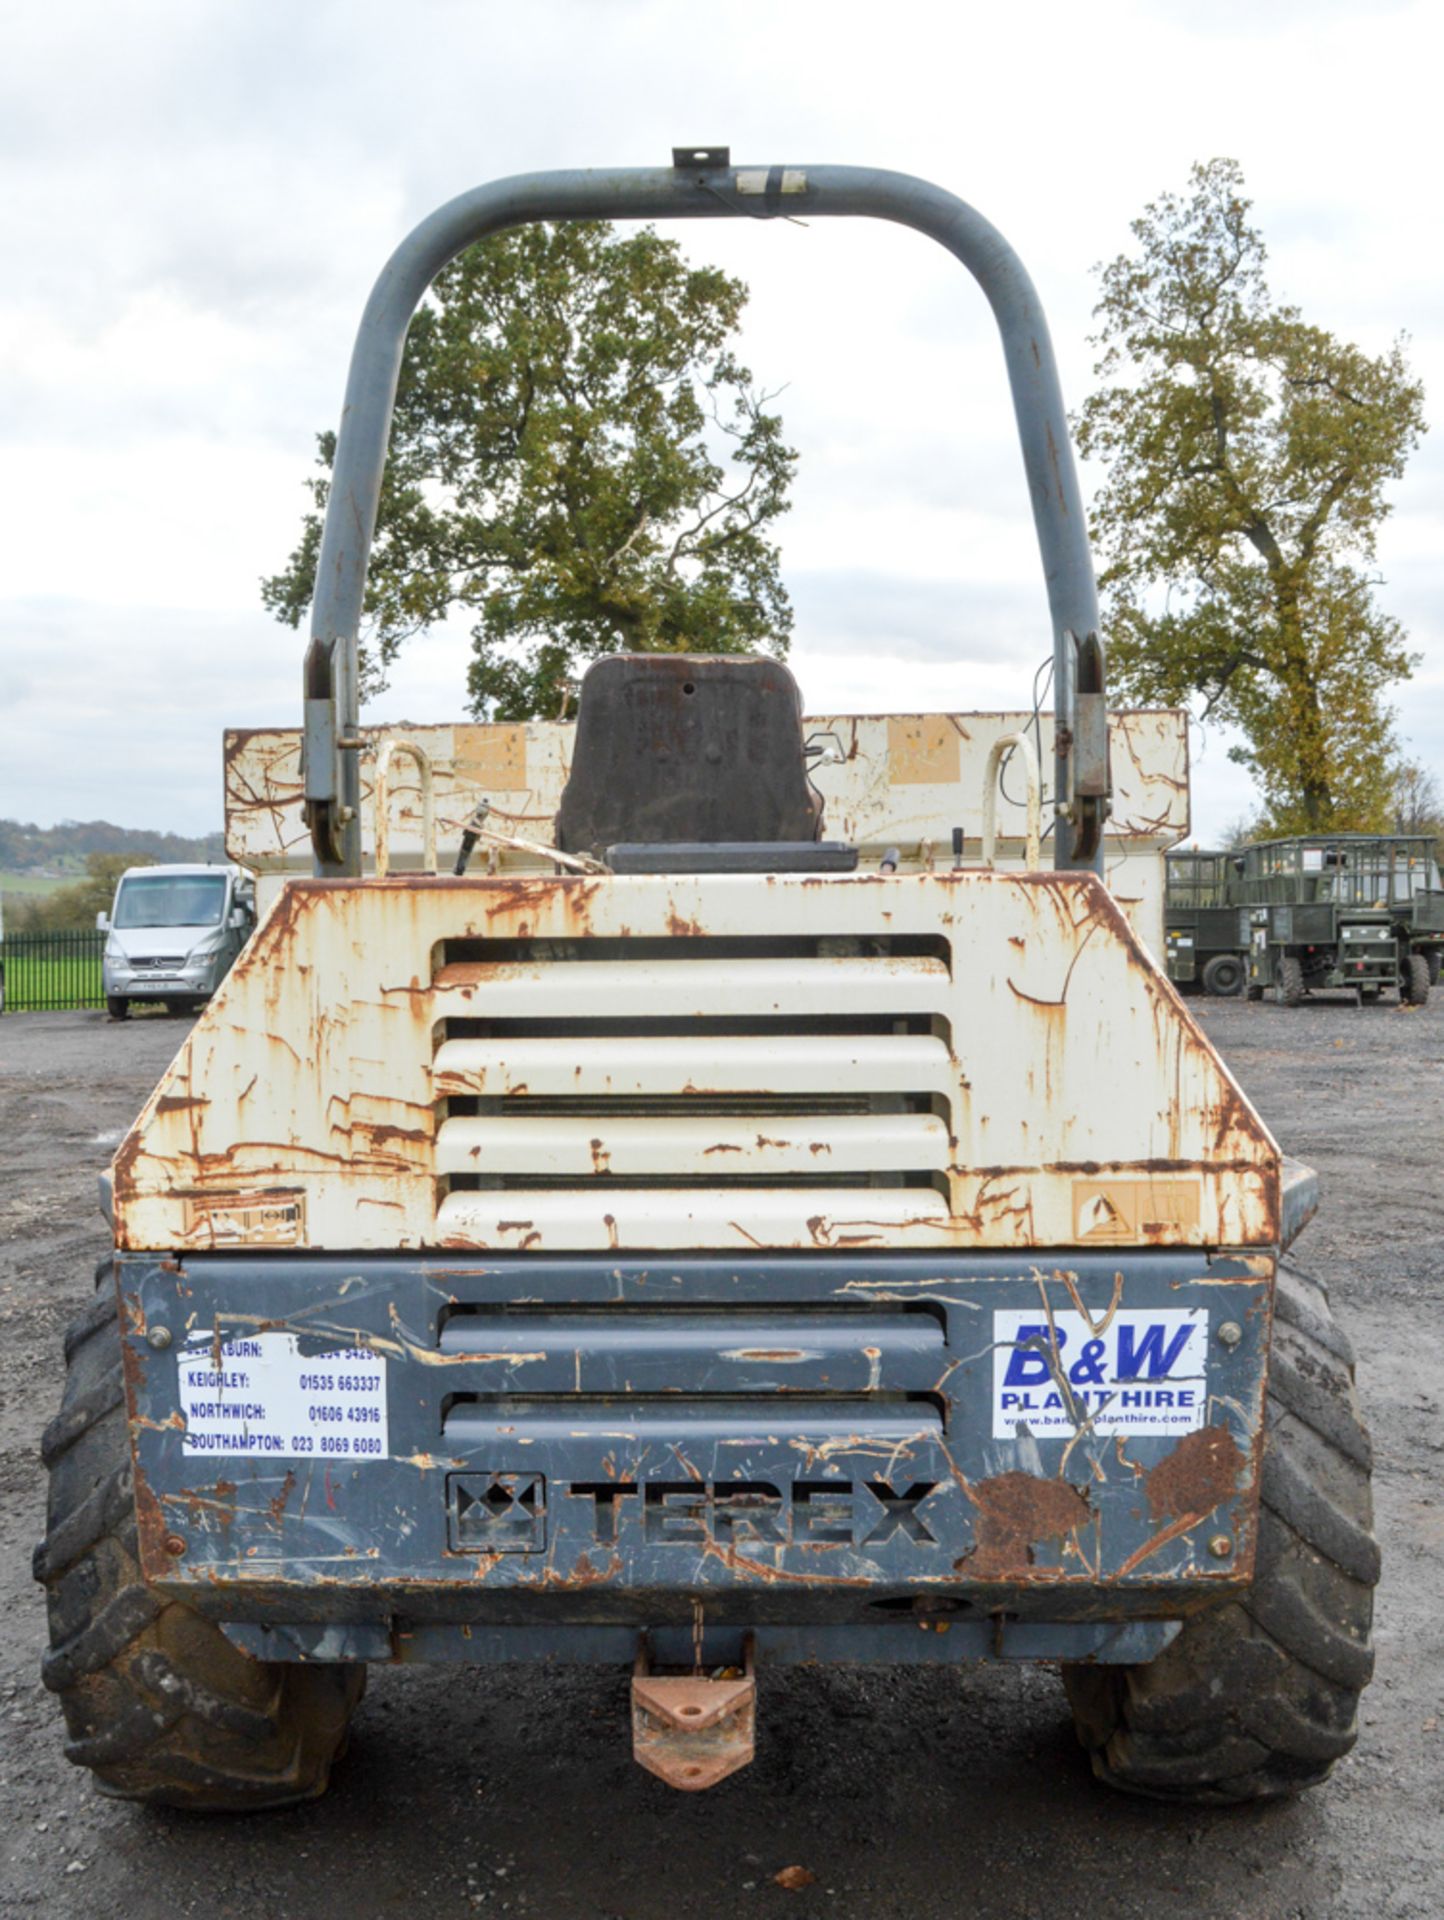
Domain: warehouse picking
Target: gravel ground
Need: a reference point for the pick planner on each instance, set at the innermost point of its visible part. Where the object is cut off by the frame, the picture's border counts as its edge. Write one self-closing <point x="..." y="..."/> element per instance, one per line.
<point x="907" y="1794"/>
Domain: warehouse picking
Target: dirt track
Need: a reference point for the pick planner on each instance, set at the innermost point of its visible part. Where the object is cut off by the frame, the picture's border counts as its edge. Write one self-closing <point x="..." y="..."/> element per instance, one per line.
<point x="908" y="1794"/>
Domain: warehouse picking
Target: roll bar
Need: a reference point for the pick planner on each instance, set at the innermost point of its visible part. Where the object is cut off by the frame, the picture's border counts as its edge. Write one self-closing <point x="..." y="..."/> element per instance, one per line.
<point x="701" y="184"/>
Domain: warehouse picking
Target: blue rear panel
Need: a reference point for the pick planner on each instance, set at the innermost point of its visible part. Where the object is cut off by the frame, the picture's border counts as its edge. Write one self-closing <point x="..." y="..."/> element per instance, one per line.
<point x="592" y="1442"/>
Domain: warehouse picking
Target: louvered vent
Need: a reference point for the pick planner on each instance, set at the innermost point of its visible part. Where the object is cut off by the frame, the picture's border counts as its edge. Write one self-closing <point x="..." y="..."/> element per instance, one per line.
<point x="686" y="1090"/>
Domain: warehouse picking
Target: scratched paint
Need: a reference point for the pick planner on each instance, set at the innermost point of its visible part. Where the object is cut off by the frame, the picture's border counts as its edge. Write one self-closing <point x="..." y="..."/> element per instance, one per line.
<point x="887" y="781"/>
<point x="672" y="1451"/>
<point x="952" y="1060"/>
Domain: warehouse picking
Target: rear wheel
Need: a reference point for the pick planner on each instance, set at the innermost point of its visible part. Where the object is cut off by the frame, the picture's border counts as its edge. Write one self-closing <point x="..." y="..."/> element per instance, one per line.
<point x="117" y="1006"/>
<point x="1414" y="979"/>
<point x="158" y="1703"/>
<point x="1224" y="976"/>
<point x="1259" y="1697"/>
<point x="1289" y="987"/>
<point x="1433" y="958"/>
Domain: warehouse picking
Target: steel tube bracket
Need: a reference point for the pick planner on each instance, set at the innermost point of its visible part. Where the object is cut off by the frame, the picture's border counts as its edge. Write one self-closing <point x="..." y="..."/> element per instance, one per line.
<point x="1020" y="744"/>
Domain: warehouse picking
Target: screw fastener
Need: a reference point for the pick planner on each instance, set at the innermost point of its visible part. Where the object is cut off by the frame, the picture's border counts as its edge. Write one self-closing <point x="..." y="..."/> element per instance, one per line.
<point x="1220" y="1546"/>
<point x="175" y="1546"/>
<point x="159" y="1338"/>
<point x="1230" y="1333"/>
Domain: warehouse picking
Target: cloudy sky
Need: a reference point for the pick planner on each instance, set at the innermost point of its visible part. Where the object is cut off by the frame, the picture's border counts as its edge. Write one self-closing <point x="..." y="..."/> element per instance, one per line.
<point x="195" y="197"/>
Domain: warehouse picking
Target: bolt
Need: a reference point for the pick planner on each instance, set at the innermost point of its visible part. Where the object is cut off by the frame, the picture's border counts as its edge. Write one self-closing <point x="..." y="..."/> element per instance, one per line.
<point x="1220" y="1546"/>
<point x="159" y="1338"/>
<point x="175" y="1546"/>
<point x="1230" y="1333"/>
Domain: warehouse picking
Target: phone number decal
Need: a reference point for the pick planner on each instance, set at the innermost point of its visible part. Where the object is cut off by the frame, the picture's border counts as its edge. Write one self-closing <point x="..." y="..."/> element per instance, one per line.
<point x="255" y="1395"/>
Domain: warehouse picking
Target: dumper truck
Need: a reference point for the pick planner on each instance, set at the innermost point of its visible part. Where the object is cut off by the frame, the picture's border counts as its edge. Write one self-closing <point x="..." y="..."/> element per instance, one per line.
<point x="703" y="1189"/>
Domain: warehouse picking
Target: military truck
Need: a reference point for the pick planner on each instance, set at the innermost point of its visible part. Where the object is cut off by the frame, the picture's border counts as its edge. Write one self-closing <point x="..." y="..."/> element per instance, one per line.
<point x="1203" y="943"/>
<point x="653" y="1218"/>
<point x="1416" y="897"/>
<point x="1342" y="910"/>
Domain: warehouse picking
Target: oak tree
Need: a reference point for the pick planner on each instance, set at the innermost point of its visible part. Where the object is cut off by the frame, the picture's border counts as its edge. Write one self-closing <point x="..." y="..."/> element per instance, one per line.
<point x="578" y="461"/>
<point x="1247" y="459"/>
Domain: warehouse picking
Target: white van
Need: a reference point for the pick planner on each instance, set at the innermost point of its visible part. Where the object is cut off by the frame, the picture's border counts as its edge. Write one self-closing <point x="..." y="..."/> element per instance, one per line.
<point x="174" y="934"/>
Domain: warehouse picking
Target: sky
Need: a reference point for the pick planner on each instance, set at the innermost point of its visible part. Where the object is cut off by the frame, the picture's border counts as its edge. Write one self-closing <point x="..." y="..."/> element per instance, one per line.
<point x="196" y="196"/>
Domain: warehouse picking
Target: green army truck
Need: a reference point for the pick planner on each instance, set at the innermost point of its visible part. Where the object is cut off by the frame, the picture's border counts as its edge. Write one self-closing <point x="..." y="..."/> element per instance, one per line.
<point x="1205" y="944"/>
<point x="1338" y="911"/>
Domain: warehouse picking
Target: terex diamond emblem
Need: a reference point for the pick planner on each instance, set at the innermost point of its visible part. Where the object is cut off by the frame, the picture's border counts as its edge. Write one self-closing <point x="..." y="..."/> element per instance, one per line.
<point x="497" y="1512"/>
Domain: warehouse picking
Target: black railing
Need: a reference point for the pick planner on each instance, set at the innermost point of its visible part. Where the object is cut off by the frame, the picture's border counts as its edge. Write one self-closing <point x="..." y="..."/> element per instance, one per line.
<point x="51" y="972"/>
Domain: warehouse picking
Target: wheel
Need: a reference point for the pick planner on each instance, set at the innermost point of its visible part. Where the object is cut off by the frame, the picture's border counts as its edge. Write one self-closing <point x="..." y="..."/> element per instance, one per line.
<point x="158" y="1703"/>
<point x="1414" y="979"/>
<point x="1289" y="987"/>
<point x="1432" y="956"/>
<point x="117" y="1006"/>
<point x="1259" y="1696"/>
<point x="1224" y="976"/>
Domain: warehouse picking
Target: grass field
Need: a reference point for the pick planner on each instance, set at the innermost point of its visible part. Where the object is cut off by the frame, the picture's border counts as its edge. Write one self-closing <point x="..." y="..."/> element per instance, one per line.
<point x="31" y="884"/>
<point x="38" y="982"/>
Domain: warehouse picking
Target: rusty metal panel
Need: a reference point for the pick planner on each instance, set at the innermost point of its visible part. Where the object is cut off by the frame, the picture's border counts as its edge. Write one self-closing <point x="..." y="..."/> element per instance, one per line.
<point x="778" y="1438"/>
<point x="888" y="781"/>
<point x="902" y="780"/>
<point x="1074" y="1098"/>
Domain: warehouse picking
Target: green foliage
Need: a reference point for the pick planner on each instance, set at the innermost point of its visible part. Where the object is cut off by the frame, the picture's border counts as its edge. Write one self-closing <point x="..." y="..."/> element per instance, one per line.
<point x="1417" y="804"/>
<point x="579" y="459"/>
<point x="76" y="906"/>
<point x="1248" y="455"/>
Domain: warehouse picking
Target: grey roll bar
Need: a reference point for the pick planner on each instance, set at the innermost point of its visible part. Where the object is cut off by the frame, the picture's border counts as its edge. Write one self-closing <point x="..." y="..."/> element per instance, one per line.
<point x="702" y="184"/>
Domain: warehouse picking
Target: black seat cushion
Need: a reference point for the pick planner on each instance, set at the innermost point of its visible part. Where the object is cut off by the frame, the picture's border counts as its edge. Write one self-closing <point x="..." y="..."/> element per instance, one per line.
<point x="671" y="746"/>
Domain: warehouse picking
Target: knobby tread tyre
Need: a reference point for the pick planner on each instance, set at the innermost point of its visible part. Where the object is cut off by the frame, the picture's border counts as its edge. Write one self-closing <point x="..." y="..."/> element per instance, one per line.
<point x="1224" y="977"/>
<point x="1415" y="981"/>
<point x="159" y="1705"/>
<point x="1259" y="1696"/>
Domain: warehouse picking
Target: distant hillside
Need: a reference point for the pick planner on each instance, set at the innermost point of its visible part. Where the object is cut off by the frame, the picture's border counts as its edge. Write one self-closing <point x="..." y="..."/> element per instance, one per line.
<point x="63" y="849"/>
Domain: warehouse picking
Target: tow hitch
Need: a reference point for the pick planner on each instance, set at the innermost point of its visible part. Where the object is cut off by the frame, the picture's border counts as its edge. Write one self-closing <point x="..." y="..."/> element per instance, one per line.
<point x="693" y="1729"/>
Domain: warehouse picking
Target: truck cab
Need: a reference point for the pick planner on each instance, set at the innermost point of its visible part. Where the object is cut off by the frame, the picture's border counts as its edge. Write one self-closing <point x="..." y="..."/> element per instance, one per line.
<point x="173" y="934"/>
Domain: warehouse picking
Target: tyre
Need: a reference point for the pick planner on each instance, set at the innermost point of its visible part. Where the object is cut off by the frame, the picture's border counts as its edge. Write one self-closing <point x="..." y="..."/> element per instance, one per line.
<point x="1224" y="976"/>
<point x="1289" y="987"/>
<point x="158" y="1703"/>
<point x="1432" y="956"/>
<point x="117" y="1006"/>
<point x="1259" y="1697"/>
<point x="1414" y="979"/>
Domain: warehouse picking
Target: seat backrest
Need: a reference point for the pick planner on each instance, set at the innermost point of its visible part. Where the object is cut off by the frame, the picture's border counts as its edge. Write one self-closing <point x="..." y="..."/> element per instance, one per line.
<point x="695" y="747"/>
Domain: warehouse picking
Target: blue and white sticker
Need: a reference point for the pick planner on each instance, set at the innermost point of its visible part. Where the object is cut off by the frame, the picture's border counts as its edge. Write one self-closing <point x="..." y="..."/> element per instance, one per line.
<point x="1143" y="1371"/>
<point x="258" y="1396"/>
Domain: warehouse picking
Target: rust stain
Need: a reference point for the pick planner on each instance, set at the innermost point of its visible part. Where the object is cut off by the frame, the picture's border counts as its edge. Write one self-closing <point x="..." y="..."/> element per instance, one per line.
<point x="1017" y="1512"/>
<point x="151" y="1528"/>
<point x="1201" y="1472"/>
<point x="278" y="1504"/>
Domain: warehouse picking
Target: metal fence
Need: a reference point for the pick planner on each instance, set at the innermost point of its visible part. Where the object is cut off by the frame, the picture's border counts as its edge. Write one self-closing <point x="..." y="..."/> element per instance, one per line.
<point x="51" y="972"/>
